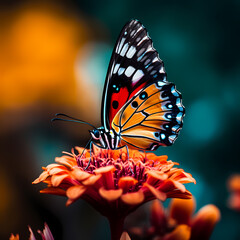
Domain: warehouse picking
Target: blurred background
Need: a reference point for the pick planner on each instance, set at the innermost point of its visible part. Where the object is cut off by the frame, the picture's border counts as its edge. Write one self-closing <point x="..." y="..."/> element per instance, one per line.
<point x="54" y="57"/>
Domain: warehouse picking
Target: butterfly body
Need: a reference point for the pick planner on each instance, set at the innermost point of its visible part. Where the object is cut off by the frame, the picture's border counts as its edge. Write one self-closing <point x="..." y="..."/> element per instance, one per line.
<point x="107" y="138"/>
<point x="140" y="108"/>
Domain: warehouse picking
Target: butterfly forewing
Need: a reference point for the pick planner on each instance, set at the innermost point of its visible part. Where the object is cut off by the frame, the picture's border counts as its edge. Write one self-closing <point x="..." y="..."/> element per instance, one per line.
<point x="152" y="118"/>
<point x="134" y="65"/>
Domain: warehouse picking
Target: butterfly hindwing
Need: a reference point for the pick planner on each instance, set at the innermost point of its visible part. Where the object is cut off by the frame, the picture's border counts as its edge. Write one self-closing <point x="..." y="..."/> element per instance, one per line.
<point x="134" y="65"/>
<point x="152" y="118"/>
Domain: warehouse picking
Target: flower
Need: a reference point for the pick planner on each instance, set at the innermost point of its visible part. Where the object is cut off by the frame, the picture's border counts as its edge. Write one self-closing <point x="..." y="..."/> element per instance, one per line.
<point x="45" y="234"/>
<point x="114" y="183"/>
<point x="234" y="188"/>
<point x="178" y="222"/>
<point x="125" y="236"/>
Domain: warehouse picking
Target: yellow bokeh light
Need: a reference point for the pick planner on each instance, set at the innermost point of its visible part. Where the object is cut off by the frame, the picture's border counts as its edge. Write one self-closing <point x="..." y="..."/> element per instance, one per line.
<point x="38" y="45"/>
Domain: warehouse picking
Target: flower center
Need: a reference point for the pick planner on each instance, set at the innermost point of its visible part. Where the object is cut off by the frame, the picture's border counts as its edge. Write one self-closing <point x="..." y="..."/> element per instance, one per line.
<point x="123" y="167"/>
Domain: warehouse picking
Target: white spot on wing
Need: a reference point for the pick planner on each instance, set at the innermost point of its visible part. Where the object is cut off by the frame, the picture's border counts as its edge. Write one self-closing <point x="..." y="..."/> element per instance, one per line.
<point x="160" y="83"/>
<point x="120" y="71"/>
<point x="116" y="68"/>
<point x="137" y="76"/>
<point x="179" y="117"/>
<point x="120" y="45"/>
<point x="124" y="50"/>
<point x="143" y="39"/>
<point x="162" y="70"/>
<point x="172" y="138"/>
<point x="174" y="92"/>
<point x="129" y="71"/>
<point x="131" y="52"/>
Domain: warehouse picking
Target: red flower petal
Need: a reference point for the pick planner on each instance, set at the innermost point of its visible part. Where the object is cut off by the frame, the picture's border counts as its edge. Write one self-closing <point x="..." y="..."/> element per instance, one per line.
<point x="55" y="191"/>
<point x="178" y="194"/>
<point x="158" y="218"/>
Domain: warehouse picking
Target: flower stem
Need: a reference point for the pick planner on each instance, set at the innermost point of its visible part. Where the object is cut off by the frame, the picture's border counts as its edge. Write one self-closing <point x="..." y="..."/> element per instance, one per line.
<point x="116" y="227"/>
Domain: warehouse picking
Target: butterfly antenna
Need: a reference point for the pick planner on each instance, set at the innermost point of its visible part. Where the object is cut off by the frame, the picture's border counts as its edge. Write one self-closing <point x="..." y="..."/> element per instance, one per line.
<point x="71" y="119"/>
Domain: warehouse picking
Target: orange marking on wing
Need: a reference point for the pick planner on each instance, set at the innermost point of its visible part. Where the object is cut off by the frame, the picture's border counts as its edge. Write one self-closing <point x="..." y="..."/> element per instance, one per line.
<point x="155" y="108"/>
<point x="138" y="142"/>
<point x="158" y="116"/>
<point x="154" y="124"/>
<point x="140" y="131"/>
<point x="154" y="99"/>
<point x="137" y="118"/>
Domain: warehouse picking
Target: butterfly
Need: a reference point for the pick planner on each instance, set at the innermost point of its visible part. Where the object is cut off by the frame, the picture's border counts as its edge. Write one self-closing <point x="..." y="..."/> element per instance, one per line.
<point x="140" y="108"/>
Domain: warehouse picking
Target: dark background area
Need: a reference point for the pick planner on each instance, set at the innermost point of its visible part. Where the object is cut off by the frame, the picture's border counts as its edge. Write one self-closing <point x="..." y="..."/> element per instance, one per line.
<point x="54" y="57"/>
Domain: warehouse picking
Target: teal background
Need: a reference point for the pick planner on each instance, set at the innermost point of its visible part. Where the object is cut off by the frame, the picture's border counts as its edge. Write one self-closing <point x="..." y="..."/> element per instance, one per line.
<point x="199" y="44"/>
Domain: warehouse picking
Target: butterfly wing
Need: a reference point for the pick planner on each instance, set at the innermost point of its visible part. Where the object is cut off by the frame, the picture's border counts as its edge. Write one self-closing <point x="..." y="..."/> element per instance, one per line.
<point x="152" y="118"/>
<point x="134" y="64"/>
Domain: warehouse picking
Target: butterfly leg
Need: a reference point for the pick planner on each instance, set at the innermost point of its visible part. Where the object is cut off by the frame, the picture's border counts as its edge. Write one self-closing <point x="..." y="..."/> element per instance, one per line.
<point x="128" y="160"/>
<point x="78" y="161"/>
<point x="90" y="150"/>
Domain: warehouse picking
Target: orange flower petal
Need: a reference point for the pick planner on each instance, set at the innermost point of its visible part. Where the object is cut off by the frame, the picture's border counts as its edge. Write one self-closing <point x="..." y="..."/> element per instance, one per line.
<point x="205" y="221"/>
<point x="133" y="198"/>
<point x="70" y="201"/>
<point x="75" y="192"/>
<point x="105" y="169"/>
<point x="170" y="185"/>
<point x="57" y="179"/>
<point x="182" y="177"/>
<point x="55" y="191"/>
<point x="126" y="182"/>
<point x="154" y="176"/>
<point x="107" y="176"/>
<point x="91" y="180"/>
<point x="52" y="165"/>
<point x="158" y="194"/>
<point x="66" y="161"/>
<point x="234" y="183"/>
<point x="110" y="195"/>
<point x="41" y="178"/>
<point x="125" y="236"/>
<point x="57" y="170"/>
<point x="12" y="237"/>
<point x="181" y="232"/>
<point x="80" y="175"/>
<point x="179" y="186"/>
<point x="181" y="210"/>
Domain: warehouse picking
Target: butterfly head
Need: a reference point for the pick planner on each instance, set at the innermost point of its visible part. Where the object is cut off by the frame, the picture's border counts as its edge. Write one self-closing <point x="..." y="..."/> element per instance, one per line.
<point x="96" y="133"/>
